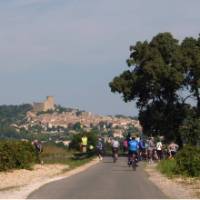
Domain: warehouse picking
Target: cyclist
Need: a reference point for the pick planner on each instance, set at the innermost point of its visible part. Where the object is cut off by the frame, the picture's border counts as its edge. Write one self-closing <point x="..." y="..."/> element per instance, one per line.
<point x="133" y="151"/>
<point x="159" y="149"/>
<point x="99" y="148"/>
<point x="84" y="142"/>
<point x="172" y="148"/>
<point x="38" y="150"/>
<point x="137" y="138"/>
<point x="142" y="150"/>
<point x="115" y="149"/>
<point x="125" y="145"/>
<point x="151" y="149"/>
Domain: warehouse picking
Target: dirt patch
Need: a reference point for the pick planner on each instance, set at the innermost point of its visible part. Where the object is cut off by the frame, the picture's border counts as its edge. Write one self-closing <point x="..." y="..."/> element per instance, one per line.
<point x="178" y="187"/>
<point x="18" y="184"/>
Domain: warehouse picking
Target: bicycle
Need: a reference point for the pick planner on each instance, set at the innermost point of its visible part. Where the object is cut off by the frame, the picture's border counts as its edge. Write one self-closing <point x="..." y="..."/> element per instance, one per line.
<point x="133" y="160"/>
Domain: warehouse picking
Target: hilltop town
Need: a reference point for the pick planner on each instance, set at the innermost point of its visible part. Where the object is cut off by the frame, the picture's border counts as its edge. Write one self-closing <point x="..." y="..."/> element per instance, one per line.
<point x="49" y="117"/>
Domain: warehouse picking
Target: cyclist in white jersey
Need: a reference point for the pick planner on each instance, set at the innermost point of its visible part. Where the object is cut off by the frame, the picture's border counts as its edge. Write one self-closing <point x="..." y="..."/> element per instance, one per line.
<point x="115" y="149"/>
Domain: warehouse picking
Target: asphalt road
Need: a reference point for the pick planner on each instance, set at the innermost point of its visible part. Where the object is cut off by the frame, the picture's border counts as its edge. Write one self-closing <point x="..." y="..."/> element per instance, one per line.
<point x="106" y="180"/>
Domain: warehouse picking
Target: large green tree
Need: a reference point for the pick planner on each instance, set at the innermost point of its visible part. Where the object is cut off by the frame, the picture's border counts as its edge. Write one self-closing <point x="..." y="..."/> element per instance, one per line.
<point x="160" y="72"/>
<point x="191" y="62"/>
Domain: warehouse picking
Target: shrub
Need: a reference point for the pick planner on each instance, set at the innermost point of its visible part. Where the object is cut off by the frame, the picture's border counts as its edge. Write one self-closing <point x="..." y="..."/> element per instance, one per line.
<point x="167" y="167"/>
<point x="76" y="140"/>
<point x="188" y="161"/>
<point x="16" y="154"/>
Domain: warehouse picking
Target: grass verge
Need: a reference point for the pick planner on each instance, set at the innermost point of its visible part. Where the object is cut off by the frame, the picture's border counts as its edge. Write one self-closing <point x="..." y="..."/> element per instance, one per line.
<point x="167" y="167"/>
<point x="53" y="155"/>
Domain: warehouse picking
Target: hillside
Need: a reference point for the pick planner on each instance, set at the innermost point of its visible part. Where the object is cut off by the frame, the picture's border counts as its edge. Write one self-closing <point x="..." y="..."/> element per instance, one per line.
<point x="21" y="122"/>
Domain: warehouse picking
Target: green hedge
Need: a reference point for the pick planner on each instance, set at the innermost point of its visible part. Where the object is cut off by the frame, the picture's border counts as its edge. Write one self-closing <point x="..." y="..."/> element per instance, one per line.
<point x="16" y="155"/>
<point x="188" y="161"/>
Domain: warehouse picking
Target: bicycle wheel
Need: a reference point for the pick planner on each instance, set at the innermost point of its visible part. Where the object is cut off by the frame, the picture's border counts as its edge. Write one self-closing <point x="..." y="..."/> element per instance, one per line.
<point x="114" y="158"/>
<point x="134" y="165"/>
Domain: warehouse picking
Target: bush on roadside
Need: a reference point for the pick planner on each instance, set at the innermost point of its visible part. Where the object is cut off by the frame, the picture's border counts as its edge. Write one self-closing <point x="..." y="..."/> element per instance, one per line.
<point x="76" y="140"/>
<point x="16" y="155"/>
<point x="167" y="167"/>
<point x="188" y="161"/>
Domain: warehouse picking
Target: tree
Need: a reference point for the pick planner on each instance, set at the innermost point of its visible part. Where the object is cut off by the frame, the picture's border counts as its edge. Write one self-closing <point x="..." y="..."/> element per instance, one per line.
<point x="156" y="73"/>
<point x="191" y="62"/>
<point x="190" y="131"/>
<point x="159" y="71"/>
<point x="77" y="126"/>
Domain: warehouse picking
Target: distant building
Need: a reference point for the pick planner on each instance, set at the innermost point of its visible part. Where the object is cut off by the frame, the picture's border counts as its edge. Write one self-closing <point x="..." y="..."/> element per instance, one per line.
<point x="48" y="104"/>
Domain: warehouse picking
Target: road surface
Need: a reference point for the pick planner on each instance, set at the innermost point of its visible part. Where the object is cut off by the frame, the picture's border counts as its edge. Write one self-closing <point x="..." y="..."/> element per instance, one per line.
<point x="106" y="180"/>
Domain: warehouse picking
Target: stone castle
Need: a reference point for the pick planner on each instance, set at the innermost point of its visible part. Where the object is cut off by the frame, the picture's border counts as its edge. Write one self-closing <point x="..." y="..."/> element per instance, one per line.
<point x="48" y="104"/>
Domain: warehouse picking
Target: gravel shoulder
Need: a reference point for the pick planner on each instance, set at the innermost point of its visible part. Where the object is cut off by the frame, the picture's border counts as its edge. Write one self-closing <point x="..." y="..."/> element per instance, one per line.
<point x="18" y="184"/>
<point x="178" y="187"/>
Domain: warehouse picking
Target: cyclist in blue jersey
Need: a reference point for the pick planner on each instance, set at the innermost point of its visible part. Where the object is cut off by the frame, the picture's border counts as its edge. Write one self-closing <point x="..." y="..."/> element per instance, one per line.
<point x="142" y="150"/>
<point x="133" y="151"/>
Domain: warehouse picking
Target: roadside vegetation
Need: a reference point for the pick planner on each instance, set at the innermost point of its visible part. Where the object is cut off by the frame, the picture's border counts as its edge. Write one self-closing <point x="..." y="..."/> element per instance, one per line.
<point x="16" y="155"/>
<point x="54" y="154"/>
<point x="186" y="163"/>
<point x="22" y="155"/>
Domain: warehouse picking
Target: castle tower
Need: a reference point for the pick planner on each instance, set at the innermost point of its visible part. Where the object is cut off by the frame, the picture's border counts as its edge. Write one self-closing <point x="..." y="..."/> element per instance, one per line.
<point x="49" y="104"/>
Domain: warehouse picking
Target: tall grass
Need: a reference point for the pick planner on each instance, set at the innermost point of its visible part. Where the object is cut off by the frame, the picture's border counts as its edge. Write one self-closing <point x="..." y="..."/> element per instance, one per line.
<point x="167" y="167"/>
<point x="53" y="154"/>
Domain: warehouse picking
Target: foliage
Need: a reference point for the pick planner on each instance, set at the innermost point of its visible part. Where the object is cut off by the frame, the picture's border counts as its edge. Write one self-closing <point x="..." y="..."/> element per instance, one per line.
<point x="92" y="138"/>
<point x="126" y="117"/>
<point x="190" y="130"/>
<point x="54" y="153"/>
<point x="162" y="119"/>
<point x="191" y="63"/>
<point x="76" y="140"/>
<point x="16" y="154"/>
<point x="167" y="167"/>
<point x="46" y="112"/>
<point x="77" y="126"/>
<point x="60" y="109"/>
<point x="156" y="73"/>
<point x="21" y="155"/>
<point x="159" y="71"/>
<point x="132" y="130"/>
<point x="13" y="113"/>
<point x="188" y="161"/>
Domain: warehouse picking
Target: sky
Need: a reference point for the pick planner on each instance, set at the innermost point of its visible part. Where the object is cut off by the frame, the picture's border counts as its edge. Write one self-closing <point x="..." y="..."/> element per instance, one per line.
<point x="72" y="49"/>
